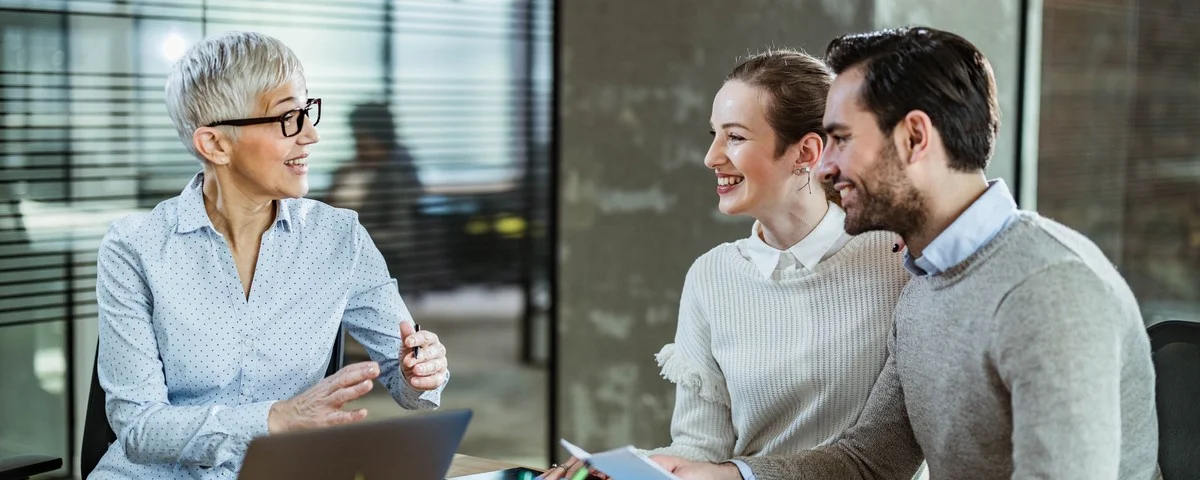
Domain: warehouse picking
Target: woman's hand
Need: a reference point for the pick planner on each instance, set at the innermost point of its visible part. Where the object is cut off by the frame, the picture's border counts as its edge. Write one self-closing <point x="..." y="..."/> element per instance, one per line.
<point x="321" y="405"/>
<point x="424" y="369"/>
<point x="567" y="471"/>
<point x="689" y="470"/>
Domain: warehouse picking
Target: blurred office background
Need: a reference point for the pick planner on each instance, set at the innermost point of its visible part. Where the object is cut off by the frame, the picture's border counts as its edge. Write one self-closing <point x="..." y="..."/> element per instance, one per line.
<point x="435" y="128"/>
<point x="532" y="171"/>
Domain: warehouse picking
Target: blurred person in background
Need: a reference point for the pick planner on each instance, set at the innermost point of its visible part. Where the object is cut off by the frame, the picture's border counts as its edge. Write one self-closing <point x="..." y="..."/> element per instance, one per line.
<point x="381" y="184"/>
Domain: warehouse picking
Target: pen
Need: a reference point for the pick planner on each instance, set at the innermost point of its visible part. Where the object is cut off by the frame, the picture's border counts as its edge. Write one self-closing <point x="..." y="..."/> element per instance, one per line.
<point x="416" y="350"/>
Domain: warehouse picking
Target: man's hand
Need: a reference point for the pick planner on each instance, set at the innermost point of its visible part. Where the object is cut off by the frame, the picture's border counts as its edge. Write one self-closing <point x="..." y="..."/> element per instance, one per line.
<point x="321" y="405"/>
<point x="429" y="371"/>
<point x="689" y="470"/>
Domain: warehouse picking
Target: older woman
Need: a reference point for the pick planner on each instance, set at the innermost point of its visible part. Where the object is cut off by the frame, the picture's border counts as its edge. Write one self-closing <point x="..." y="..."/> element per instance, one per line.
<point x="218" y="309"/>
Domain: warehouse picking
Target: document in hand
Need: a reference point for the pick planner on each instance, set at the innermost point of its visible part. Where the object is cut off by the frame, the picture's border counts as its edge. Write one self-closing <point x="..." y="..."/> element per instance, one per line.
<point x="623" y="463"/>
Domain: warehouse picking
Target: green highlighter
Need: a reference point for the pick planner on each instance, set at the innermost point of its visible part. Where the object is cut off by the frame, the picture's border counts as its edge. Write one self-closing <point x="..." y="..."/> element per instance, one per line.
<point x="581" y="474"/>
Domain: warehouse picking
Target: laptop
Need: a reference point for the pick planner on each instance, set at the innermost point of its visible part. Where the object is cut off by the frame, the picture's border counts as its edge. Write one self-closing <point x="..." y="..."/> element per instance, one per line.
<point x="412" y="448"/>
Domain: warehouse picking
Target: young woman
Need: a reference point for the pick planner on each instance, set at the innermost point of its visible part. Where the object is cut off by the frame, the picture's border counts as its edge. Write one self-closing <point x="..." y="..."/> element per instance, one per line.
<point x="782" y="334"/>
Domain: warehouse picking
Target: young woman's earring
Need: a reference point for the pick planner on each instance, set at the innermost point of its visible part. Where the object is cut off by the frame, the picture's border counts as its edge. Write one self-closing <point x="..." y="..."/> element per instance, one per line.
<point x="802" y="171"/>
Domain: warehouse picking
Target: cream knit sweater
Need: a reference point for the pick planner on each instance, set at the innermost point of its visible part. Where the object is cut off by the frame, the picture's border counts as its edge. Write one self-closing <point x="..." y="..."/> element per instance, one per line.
<point x="766" y="366"/>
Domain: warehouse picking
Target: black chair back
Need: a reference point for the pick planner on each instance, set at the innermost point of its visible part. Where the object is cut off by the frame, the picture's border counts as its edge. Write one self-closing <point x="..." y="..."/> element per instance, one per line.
<point x="1176" y="347"/>
<point x="98" y="434"/>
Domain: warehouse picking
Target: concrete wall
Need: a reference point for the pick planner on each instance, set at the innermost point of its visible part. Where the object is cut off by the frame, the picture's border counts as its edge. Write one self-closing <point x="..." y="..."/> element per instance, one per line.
<point x="637" y="205"/>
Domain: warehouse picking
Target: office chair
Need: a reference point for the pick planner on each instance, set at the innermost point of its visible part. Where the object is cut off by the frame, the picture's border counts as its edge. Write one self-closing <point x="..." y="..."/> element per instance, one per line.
<point x="1176" y="349"/>
<point x="98" y="434"/>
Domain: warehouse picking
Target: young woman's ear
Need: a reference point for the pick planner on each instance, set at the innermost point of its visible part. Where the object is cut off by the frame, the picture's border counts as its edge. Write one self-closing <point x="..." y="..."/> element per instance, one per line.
<point x="808" y="152"/>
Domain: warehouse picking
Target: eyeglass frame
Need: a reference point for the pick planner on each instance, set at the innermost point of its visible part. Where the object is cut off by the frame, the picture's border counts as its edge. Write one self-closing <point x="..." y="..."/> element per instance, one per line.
<point x="303" y="112"/>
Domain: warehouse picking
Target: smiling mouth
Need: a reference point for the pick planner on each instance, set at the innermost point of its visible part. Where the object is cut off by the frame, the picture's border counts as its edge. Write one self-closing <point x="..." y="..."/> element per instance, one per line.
<point x="729" y="181"/>
<point x="296" y="162"/>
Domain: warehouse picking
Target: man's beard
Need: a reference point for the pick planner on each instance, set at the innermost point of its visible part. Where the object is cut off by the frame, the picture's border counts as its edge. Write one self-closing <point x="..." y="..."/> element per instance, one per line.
<point x="888" y="201"/>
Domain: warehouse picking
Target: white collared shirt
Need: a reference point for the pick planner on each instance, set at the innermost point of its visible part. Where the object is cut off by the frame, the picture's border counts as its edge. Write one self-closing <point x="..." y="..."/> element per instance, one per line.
<point x="822" y="242"/>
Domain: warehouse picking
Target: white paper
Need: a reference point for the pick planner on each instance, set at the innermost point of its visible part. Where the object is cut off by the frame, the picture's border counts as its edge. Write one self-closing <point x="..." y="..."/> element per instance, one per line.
<point x="574" y="450"/>
<point x="623" y="463"/>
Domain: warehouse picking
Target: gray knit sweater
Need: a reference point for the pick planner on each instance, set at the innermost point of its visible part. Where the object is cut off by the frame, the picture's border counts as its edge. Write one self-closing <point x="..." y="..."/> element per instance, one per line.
<point x="1027" y="360"/>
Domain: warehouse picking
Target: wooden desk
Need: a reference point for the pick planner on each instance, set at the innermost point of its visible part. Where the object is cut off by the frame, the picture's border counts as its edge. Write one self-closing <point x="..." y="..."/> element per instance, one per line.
<point x="468" y="465"/>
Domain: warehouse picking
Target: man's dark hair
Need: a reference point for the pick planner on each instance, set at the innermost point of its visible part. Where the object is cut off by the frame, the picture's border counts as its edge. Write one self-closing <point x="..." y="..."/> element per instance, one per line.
<point x="934" y="71"/>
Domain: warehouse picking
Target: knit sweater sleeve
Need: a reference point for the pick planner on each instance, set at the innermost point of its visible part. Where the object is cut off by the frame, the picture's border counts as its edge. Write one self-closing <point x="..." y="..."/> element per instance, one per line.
<point x="880" y="446"/>
<point x="702" y="425"/>
<point x="1059" y="353"/>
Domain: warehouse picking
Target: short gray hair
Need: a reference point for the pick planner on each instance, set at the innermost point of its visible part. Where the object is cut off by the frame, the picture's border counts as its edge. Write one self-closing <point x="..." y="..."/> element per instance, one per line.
<point x="222" y="78"/>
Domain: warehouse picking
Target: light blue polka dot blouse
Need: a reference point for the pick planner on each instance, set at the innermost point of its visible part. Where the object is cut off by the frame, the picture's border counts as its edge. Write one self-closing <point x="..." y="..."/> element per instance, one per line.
<point x="191" y="367"/>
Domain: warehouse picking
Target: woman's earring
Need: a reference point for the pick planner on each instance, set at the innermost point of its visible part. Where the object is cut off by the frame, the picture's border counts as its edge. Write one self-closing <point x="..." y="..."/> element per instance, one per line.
<point x="802" y="171"/>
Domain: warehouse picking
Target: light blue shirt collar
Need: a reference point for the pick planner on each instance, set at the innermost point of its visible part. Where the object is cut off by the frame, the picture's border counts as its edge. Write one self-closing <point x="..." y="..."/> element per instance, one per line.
<point x="191" y="365"/>
<point x="192" y="215"/>
<point x="989" y="215"/>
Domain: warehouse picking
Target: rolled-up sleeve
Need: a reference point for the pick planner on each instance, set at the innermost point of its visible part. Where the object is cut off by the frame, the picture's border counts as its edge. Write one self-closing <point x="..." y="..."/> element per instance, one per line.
<point x="149" y="428"/>
<point x="373" y="315"/>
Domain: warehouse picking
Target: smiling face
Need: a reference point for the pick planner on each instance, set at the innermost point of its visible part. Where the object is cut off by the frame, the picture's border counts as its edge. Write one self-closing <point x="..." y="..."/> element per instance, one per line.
<point x="264" y="162"/>
<point x="752" y="179"/>
<point x="864" y="166"/>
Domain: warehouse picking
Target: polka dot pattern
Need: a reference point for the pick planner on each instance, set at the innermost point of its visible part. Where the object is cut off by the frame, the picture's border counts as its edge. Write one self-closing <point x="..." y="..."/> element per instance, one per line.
<point x="191" y="366"/>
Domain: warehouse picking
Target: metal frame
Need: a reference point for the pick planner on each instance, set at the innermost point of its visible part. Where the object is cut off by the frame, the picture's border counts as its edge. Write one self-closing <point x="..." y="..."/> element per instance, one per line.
<point x="69" y="258"/>
<point x="552" y="231"/>
<point x="1028" y="114"/>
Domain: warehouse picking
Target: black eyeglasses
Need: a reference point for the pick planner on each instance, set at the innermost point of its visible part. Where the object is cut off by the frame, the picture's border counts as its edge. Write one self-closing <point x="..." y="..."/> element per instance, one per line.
<point x="290" y="123"/>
